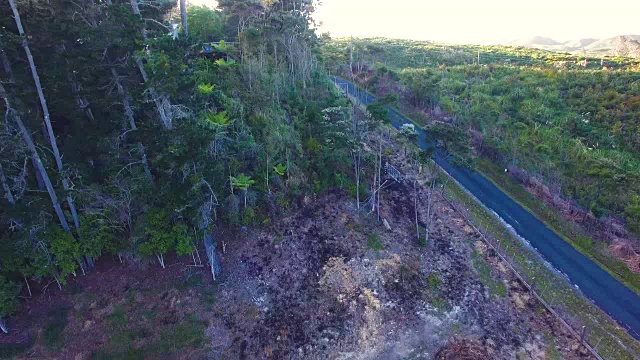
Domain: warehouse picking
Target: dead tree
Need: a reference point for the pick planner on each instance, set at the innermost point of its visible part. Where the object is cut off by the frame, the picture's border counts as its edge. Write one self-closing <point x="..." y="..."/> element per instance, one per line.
<point x="47" y="118"/>
<point x="428" y="221"/>
<point x="81" y="100"/>
<point x="7" y="189"/>
<point x="358" y="129"/>
<point x="378" y="184"/>
<point x="36" y="157"/>
<point x="415" y="206"/>
<point x="163" y="105"/>
<point x="128" y="111"/>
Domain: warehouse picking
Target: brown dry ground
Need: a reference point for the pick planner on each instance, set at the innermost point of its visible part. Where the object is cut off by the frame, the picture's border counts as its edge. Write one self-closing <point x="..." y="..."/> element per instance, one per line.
<point x="308" y="286"/>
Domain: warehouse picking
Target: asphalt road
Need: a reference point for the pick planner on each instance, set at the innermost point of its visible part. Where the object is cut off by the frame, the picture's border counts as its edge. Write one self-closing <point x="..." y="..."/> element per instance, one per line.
<point x="607" y="292"/>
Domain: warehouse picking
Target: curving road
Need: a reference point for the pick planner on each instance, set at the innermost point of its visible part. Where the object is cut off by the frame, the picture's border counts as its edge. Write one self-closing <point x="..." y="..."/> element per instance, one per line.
<point x="606" y="291"/>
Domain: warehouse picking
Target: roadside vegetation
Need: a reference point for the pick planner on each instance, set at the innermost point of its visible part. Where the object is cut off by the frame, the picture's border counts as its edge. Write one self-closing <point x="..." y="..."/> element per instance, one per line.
<point x="612" y="341"/>
<point x="565" y="129"/>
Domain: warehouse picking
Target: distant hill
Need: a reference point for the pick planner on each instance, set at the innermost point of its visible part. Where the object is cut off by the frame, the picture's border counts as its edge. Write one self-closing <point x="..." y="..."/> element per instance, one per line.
<point x="622" y="45"/>
<point x="535" y="41"/>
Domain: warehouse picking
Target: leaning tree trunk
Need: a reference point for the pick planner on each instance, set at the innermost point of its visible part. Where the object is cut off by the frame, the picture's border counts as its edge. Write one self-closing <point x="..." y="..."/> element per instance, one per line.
<point x="128" y="111"/>
<point x="183" y="17"/>
<point x="428" y="226"/>
<point x="37" y="161"/>
<point x="162" y="102"/>
<point x="5" y="186"/>
<point x="81" y="100"/>
<point x="210" y="246"/>
<point x="47" y="117"/>
<point x="3" y="326"/>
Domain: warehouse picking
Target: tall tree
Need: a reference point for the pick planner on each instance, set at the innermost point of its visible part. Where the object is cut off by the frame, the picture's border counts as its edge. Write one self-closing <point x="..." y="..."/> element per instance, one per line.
<point x="26" y="135"/>
<point x="183" y="17"/>
<point x="47" y="117"/>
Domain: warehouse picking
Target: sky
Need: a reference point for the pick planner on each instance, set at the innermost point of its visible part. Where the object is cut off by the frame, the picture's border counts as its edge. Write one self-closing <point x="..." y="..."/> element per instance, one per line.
<point x="477" y="21"/>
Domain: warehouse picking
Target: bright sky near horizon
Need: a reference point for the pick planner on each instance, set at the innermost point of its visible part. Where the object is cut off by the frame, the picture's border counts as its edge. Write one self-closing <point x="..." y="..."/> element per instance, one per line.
<point x="477" y="21"/>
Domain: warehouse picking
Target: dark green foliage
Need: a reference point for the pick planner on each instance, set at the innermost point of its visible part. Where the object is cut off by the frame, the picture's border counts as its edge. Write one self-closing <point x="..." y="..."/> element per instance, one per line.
<point x="158" y="237"/>
<point x="378" y="112"/>
<point x="187" y="334"/>
<point x="374" y="243"/>
<point x="95" y="236"/>
<point x="54" y="326"/>
<point x="205" y="24"/>
<point x="434" y="281"/>
<point x="633" y="214"/>
<point x="65" y="250"/>
<point x="8" y="296"/>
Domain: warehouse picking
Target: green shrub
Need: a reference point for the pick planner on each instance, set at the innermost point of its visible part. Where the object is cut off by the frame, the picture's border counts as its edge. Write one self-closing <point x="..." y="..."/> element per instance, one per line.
<point x="434" y="281"/>
<point x="248" y="216"/>
<point x="184" y="335"/>
<point x="374" y="243"/>
<point x="9" y="291"/>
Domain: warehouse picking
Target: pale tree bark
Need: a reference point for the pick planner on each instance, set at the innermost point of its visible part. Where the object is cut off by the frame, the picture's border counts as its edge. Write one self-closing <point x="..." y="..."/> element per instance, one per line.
<point x="357" y="132"/>
<point x="205" y="221"/>
<point x="47" y="117"/>
<point x="378" y="185"/>
<point x="6" y="64"/>
<point x="379" y="192"/>
<point x="183" y="17"/>
<point x="357" y="167"/>
<point x="429" y="201"/>
<point x="128" y="111"/>
<point x="415" y="206"/>
<point x="162" y="102"/>
<point x="5" y="186"/>
<point x="81" y="100"/>
<point x="37" y="161"/>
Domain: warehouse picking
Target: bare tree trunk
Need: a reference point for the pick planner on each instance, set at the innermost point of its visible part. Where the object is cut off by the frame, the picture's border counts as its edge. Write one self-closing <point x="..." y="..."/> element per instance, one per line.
<point x="39" y="180"/>
<point x="38" y="163"/>
<point x="428" y="225"/>
<point x="128" y="111"/>
<point x="415" y="206"/>
<point x="160" y="260"/>
<point x="183" y="17"/>
<point x="28" y="287"/>
<point x="47" y="118"/>
<point x="379" y="175"/>
<point x="7" y="65"/>
<point x="357" y="157"/>
<point x="162" y="103"/>
<point x="5" y="186"/>
<point x="81" y="101"/>
<point x="210" y="246"/>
